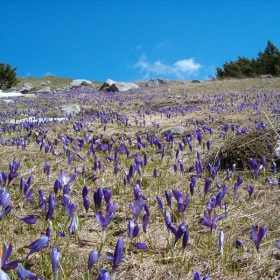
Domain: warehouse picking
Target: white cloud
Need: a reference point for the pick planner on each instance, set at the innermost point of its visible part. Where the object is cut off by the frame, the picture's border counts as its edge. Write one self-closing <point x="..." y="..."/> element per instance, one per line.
<point x="180" y="69"/>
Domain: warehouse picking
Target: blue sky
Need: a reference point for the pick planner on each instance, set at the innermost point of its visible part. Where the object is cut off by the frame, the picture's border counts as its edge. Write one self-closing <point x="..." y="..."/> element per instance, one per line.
<point x="133" y="40"/>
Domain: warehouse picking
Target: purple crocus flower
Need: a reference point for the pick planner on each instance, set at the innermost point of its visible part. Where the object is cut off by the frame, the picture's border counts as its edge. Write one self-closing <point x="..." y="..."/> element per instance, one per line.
<point x="85" y="191"/>
<point x="183" y="202"/>
<point x="263" y="161"/>
<point x="73" y="224"/>
<point x="207" y="186"/>
<point x="7" y="210"/>
<point x="104" y="275"/>
<point x="86" y="203"/>
<point x="139" y="245"/>
<point x="51" y="207"/>
<point x="208" y="144"/>
<point x="70" y="208"/>
<point x="40" y="244"/>
<point x="4" y="177"/>
<point x="107" y="193"/>
<point x="66" y="178"/>
<point x="159" y="203"/>
<point x="239" y="244"/>
<point x="42" y="201"/>
<point x="118" y="254"/>
<point x="27" y="192"/>
<point x="133" y="230"/>
<point x="167" y="219"/>
<point x="238" y="182"/>
<point x="57" y="186"/>
<point x="23" y="273"/>
<point x="14" y="166"/>
<point x="31" y="220"/>
<point x="277" y="244"/>
<point x="211" y="220"/>
<point x="176" y="193"/>
<point x="192" y="185"/>
<point x="145" y="221"/>
<point x="111" y="208"/>
<point x="4" y="197"/>
<point x="97" y="197"/>
<point x="258" y="233"/>
<point x="211" y="204"/>
<point x="180" y="232"/>
<point x="104" y="221"/>
<point x="196" y="276"/>
<point x="136" y="192"/>
<point x="221" y="242"/>
<point x="155" y="173"/>
<point x="47" y="169"/>
<point x="5" y="253"/>
<point x="199" y="137"/>
<point x="274" y="166"/>
<point x="250" y="189"/>
<point x="136" y="208"/>
<point x="185" y="240"/>
<point x="168" y="198"/>
<point x="92" y="259"/>
<point x="55" y="260"/>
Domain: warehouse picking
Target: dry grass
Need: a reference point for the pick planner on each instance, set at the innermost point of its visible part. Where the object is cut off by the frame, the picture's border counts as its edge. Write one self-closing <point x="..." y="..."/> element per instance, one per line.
<point x="158" y="261"/>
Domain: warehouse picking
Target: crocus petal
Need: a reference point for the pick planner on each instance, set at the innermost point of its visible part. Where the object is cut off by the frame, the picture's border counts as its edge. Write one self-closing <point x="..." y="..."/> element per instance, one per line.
<point x="55" y="259"/>
<point x="139" y="245"/>
<point x="31" y="220"/>
<point x="4" y="276"/>
<point x="277" y="244"/>
<point x="23" y="273"/>
<point x="104" y="275"/>
<point x="92" y="259"/>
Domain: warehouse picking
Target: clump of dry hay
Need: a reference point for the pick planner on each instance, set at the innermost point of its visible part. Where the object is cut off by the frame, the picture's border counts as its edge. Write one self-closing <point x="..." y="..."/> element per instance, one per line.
<point x="240" y="148"/>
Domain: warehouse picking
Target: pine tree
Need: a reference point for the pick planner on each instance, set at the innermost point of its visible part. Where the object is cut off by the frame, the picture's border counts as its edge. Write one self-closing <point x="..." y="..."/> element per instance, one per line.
<point x="268" y="62"/>
<point x="7" y="76"/>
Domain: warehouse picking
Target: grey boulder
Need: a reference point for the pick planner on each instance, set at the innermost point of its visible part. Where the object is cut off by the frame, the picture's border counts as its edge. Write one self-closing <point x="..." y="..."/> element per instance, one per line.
<point x="177" y="130"/>
<point x="80" y="82"/>
<point x="107" y="84"/>
<point x="112" y="86"/>
<point x="72" y="110"/>
<point x="44" y="90"/>
<point x="27" y="87"/>
<point x="156" y="82"/>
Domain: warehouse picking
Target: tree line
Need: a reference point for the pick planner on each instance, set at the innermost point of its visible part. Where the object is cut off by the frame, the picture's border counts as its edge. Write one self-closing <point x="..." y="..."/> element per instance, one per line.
<point x="267" y="63"/>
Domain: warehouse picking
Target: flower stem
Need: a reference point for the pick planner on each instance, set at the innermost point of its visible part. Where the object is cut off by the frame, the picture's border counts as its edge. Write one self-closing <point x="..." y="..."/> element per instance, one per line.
<point x="113" y="274"/>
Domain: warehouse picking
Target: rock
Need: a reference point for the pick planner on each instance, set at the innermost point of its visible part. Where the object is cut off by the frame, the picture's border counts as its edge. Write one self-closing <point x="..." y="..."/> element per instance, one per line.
<point x="177" y="130"/>
<point x="196" y="81"/>
<point x="107" y="84"/>
<point x="266" y="76"/>
<point x="27" y="87"/>
<point x="73" y="109"/>
<point x="80" y="82"/>
<point x="44" y="90"/>
<point x="112" y="86"/>
<point x="45" y="83"/>
<point x="156" y="82"/>
<point x="121" y="87"/>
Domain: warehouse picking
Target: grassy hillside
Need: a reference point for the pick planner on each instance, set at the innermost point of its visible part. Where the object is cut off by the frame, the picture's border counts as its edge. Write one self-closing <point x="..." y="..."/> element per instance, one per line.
<point x="121" y="142"/>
